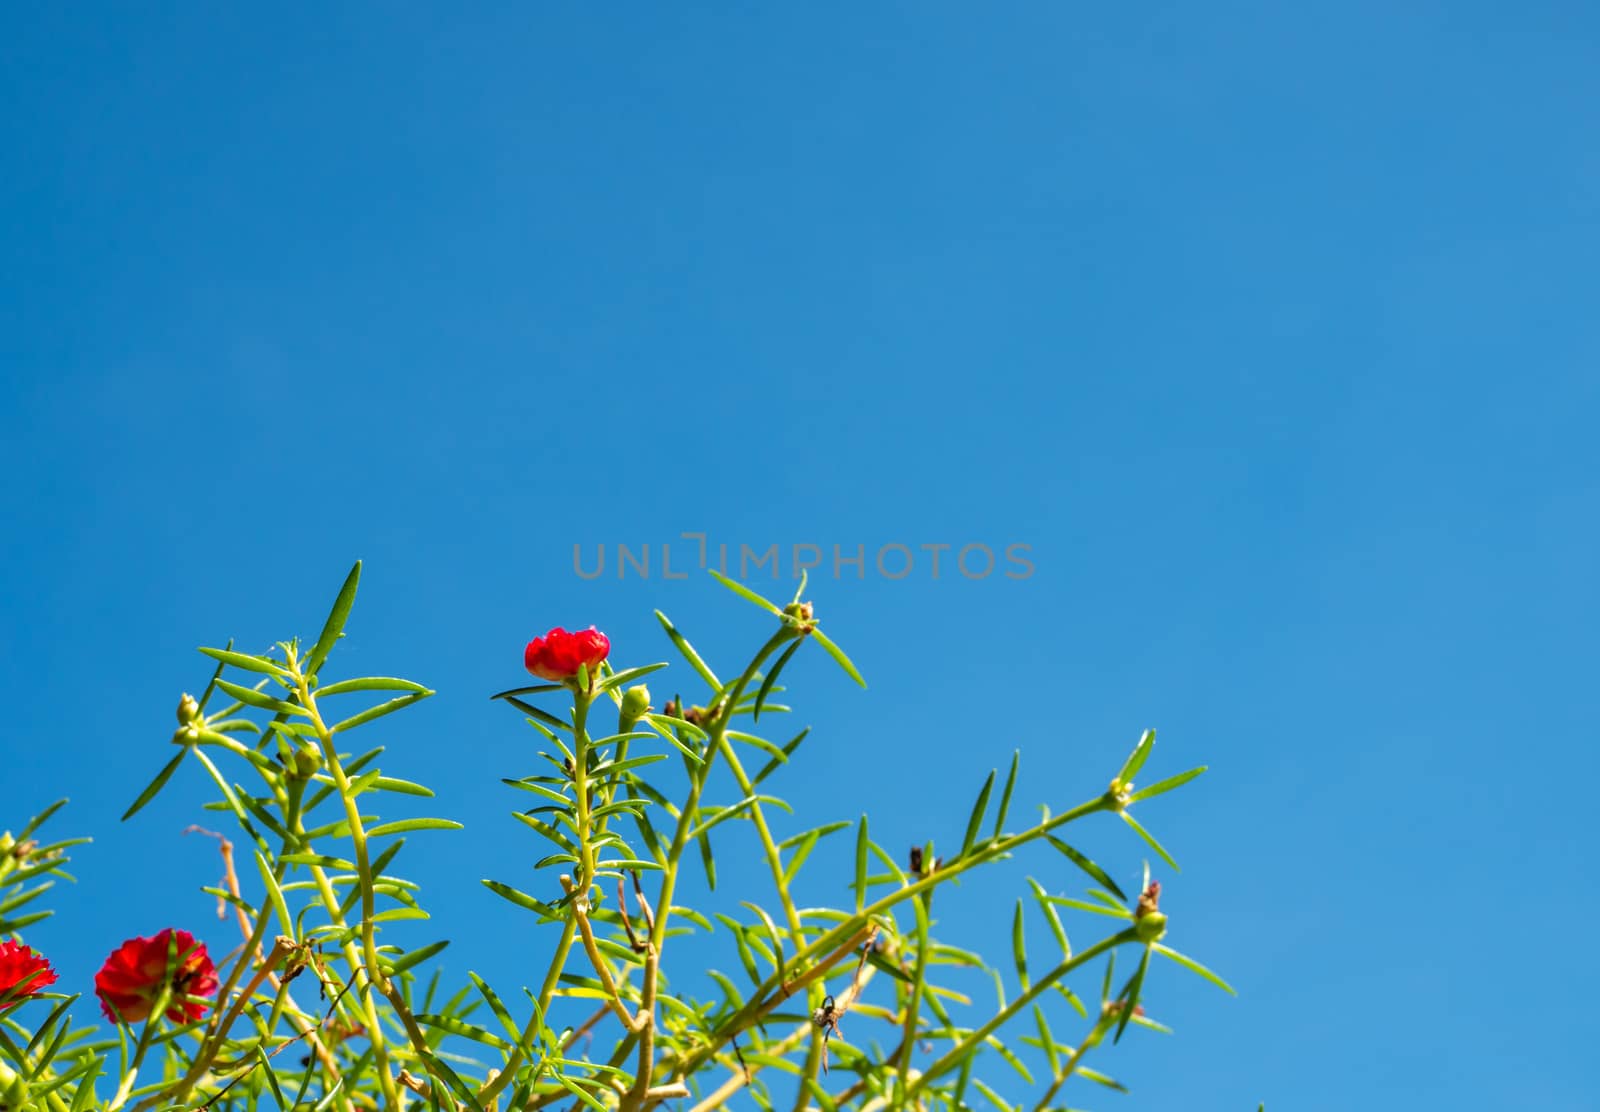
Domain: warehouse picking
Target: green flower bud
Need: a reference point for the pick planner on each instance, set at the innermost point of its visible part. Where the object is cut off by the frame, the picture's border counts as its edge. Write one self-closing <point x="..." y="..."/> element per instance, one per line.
<point x="635" y="702"/>
<point x="15" y="1091"/>
<point x="307" y="760"/>
<point x="1151" y="926"/>
<point x="188" y="709"/>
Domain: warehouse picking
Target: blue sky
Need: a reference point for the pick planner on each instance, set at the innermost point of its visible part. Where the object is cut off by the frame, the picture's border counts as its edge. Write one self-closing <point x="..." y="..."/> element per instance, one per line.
<point x="1269" y="329"/>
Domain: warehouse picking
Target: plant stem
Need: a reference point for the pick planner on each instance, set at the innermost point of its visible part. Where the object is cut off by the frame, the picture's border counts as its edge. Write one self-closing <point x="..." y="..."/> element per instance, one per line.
<point x="919" y="977"/>
<point x="954" y="1056"/>
<point x="580" y="778"/>
<point x="375" y="980"/>
<point x="163" y="998"/>
<point x="761" y="1001"/>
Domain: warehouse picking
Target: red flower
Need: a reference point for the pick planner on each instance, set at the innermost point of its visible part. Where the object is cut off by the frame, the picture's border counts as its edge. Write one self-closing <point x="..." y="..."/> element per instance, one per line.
<point x="558" y="654"/>
<point x="22" y="972"/>
<point x="136" y="972"/>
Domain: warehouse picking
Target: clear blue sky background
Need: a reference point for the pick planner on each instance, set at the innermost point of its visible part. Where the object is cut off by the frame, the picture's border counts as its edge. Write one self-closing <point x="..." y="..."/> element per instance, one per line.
<point x="1269" y="328"/>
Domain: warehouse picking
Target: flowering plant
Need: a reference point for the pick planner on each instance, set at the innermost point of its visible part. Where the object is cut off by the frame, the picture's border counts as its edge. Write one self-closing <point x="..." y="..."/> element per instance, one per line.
<point x="605" y="1027"/>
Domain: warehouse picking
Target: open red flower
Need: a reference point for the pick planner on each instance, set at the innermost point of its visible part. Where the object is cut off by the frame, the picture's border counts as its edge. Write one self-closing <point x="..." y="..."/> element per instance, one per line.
<point x="22" y="972"/>
<point x="136" y="972"/>
<point x="558" y="654"/>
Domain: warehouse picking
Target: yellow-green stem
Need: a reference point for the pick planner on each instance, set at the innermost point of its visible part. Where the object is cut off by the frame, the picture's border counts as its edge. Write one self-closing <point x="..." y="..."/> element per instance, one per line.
<point x="375" y="980"/>
<point x="956" y="1054"/>
<point x="163" y="999"/>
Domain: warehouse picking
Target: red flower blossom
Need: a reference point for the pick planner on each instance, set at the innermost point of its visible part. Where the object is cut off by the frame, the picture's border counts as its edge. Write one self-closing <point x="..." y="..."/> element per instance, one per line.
<point x="22" y="972"/>
<point x="558" y="654"/>
<point x="135" y="973"/>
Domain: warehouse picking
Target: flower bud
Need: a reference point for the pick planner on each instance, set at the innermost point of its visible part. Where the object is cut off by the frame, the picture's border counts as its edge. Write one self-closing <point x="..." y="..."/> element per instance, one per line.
<point x="188" y="709"/>
<point x="307" y="761"/>
<point x="1151" y="927"/>
<point x="635" y="702"/>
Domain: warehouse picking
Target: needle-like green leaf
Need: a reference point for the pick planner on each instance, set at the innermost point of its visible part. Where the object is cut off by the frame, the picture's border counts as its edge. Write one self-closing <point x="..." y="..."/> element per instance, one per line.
<point x="333" y="628"/>
<point x="155" y="785"/>
<point x="976" y="818"/>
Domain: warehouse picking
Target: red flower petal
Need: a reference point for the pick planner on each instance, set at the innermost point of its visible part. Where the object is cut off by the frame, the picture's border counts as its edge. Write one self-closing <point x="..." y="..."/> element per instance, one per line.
<point x="136" y="972"/>
<point x="23" y="972"/>
<point x="558" y="655"/>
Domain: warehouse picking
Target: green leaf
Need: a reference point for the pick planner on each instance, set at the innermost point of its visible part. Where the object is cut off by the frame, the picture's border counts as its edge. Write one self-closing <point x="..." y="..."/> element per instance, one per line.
<point x="1150" y="840"/>
<point x="1086" y="865"/>
<point x="994" y="1097"/>
<point x="788" y="751"/>
<point x="441" y="1072"/>
<point x="862" y="844"/>
<point x="1193" y="966"/>
<point x="270" y="1077"/>
<point x="734" y="810"/>
<point x="1100" y="1079"/>
<point x="627" y="675"/>
<point x="687" y="650"/>
<point x="1043" y="900"/>
<point x="1130" y="995"/>
<point x="611" y="768"/>
<point x="1136" y="759"/>
<point x="1019" y="949"/>
<point x="380" y="710"/>
<point x="1005" y="795"/>
<point x="371" y="683"/>
<point x="547" y="830"/>
<point x="668" y="728"/>
<point x="248" y="663"/>
<point x="251" y="697"/>
<point x="628" y="864"/>
<point x="572" y="1087"/>
<point x="772" y="933"/>
<point x="402" y="787"/>
<point x="155" y="785"/>
<point x="334" y="626"/>
<point x="521" y="899"/>
<point x="1166" y="785"/>
<point x="745" y="593"/>
<point x="976" y="820"/>
<point x="227" y="793"/>
<point x="823" y="1098"/>
<point x="802" y="851"/>
<point x="708" y="861"/>
<point x="772" y="677"/>
<point x="1046" y="1040"/>
<point x="837" y="653"/>
<point x="398" y="913"/>
<point x="1011" y="1059"/>
<point x="1082" y="905"/>
<point x="405" y="825"/>
<point x="322" y="860"/>
<point x="495" y="1006"/>
<point x="275" y="894"/>
<point x="451" y="1025"/>
<point x="40" y="819"/>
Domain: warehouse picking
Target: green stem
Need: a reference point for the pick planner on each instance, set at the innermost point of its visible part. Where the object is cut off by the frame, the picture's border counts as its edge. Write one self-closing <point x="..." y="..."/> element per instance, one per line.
<point x="375" y="980"/>
<point x="758" y="1002"/>
<point x="914" y="999"/>
<point x="163" y="999"/>
<point x="956" y="1054"/>
<point x="1090" y="1040"/>
<point x="580" y="780"/>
